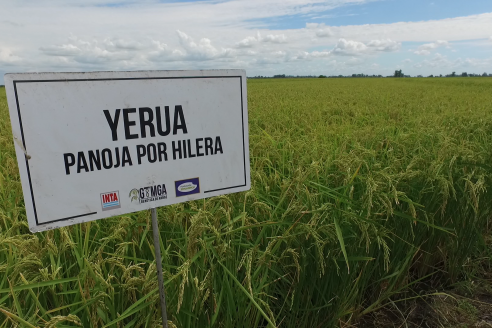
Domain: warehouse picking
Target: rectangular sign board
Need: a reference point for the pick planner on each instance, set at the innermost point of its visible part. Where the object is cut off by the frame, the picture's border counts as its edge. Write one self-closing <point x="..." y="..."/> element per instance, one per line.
<point x="102" y="144"/>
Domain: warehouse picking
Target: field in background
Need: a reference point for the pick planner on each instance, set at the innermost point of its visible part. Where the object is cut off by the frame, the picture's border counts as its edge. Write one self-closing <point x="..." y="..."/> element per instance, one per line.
<point x="363" y="190"/>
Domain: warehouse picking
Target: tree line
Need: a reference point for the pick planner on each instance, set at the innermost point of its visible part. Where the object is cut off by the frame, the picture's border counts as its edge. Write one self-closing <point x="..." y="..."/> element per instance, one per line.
<point x="398" y="73"/>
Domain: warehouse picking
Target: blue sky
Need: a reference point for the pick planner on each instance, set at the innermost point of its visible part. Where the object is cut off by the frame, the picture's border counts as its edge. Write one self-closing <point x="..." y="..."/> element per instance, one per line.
<point x="265" y="37"/>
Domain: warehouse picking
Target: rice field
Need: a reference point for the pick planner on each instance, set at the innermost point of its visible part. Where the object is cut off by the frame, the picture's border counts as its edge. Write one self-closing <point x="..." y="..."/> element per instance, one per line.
<point x="361" y="190"/>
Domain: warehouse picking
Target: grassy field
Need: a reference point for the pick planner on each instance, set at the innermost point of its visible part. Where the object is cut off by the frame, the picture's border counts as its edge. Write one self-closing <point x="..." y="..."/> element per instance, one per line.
<point x="363" y="190"/>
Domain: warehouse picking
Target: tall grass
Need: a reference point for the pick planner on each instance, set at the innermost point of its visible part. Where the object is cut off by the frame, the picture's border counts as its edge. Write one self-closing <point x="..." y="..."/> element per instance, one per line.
<point x="360" y="189"/>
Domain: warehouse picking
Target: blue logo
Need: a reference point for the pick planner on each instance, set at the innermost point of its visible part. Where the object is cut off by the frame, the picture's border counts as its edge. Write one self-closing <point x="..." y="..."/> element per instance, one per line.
<point x="187" y="187"/>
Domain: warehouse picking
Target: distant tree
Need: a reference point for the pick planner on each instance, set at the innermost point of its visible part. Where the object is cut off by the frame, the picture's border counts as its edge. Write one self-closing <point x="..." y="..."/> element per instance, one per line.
<point x="419" y="76"/>
<point x="440" y="75"/>
<point x="322" y="76"/>
<point x="484" y="74"/>
<point x="431" y="75"/>
<point x="464" y="74"/>
<point x="398" y="73"/>
<point x="453" y="74"/>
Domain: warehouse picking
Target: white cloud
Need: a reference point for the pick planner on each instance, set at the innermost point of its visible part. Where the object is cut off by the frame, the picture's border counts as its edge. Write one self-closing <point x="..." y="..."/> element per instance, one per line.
<point x="203" y="50"/>
<point x="386" y="45"/>
<point x="252" y="41"/>
<point x="121" y="44"/>
<point x="425" y="49"/>
<point x="321" y="30"/>
<point x="93" y="52"/>
<point x="7" y="57"/>
<point x="248" y="42"/>
<point x="324" y="33"/>
<point x="275" y="38"/>
<point x="457" y="64"/>
<point x="61" y="50"/>
<point x="350" y="47"/>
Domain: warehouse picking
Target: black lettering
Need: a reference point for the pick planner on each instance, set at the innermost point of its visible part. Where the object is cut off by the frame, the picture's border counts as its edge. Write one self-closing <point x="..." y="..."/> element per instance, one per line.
<point x="190" y="154"/>
<point x="146" y="122"/>
<point x="140" y="153"/>
<point x="69" y="161"/>
<point x="159" y="121"/>
<point x="209" y="146"/>
<point x="142" y="194"/>
<point x="81" y="162"/>
<point x="178" y="115"/>
<point x="198" y="147"/>
<point x="128" y="123"/>
<point x="153" y="191"/>
<point x="117" y="156"/>
<point x="126" y="158"/>
<point x="151" y="153"/>
<point x="94" y="160"/>
<point x="113" y="124"/>
<point x="159" y="190"/>
<point x="185" y="155"/>
<point x="177" y="148"/>
<point x="164" y="191"/>
<point x="218" y="145"/>
<point x="107" y="163"/>
<point x="161" y="151"/>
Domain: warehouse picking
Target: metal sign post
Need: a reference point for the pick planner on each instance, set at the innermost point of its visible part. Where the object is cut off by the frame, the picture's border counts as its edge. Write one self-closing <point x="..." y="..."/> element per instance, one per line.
<point x="158" y="261"/>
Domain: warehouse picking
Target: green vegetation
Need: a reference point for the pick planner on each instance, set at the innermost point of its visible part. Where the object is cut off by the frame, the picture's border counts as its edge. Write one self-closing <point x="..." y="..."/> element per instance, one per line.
<point x="361" y="190"/>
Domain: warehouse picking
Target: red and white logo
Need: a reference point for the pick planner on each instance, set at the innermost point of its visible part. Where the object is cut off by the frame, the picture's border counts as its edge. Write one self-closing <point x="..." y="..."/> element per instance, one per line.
<point x="110" y="200"/>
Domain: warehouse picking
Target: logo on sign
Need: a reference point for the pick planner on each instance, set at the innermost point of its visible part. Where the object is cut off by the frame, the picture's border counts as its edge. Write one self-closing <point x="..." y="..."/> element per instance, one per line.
<point x="148" y="194"/>
<point x="187" y="187"/>
<point x="110" y="200"/>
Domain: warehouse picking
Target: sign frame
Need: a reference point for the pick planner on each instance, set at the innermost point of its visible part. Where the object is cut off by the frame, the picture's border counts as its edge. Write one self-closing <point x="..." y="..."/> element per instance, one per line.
<point x="24" y="151"/>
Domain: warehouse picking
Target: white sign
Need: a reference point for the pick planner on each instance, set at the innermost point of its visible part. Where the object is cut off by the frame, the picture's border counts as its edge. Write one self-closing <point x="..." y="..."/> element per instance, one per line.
<point x="95" y="145"/>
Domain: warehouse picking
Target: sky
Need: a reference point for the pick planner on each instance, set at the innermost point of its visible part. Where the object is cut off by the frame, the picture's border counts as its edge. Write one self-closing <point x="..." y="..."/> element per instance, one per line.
<point x="264" y="37"/>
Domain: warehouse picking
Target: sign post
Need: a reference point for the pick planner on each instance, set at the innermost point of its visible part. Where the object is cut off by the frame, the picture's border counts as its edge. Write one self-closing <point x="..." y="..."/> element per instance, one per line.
<point x="158" y="262"/>
<point x="103" y="144"/>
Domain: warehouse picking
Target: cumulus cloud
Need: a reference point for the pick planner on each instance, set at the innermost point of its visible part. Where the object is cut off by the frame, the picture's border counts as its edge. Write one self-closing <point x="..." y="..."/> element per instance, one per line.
<point x="164" y="53"/>
<point x="202" y="50"/>
<point x="8" y="57"/>
<point x="248" y="42"/>
<point x="425" y="49"/>
<point x="252" y="41"/>
<point x="384" y="45"/>
<point x="275" y="38"/>
<point x="321" y="30"/>
<point x="351" y="48"/>
<point x="87" y="52"/>
<point x="61" y="50"/>
<point x="121" y="44"/>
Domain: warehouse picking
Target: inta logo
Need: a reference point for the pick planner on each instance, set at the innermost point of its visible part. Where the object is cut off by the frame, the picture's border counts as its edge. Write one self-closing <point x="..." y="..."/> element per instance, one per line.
<point x="110" y="200"/>
<point x="187" y="187"/>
